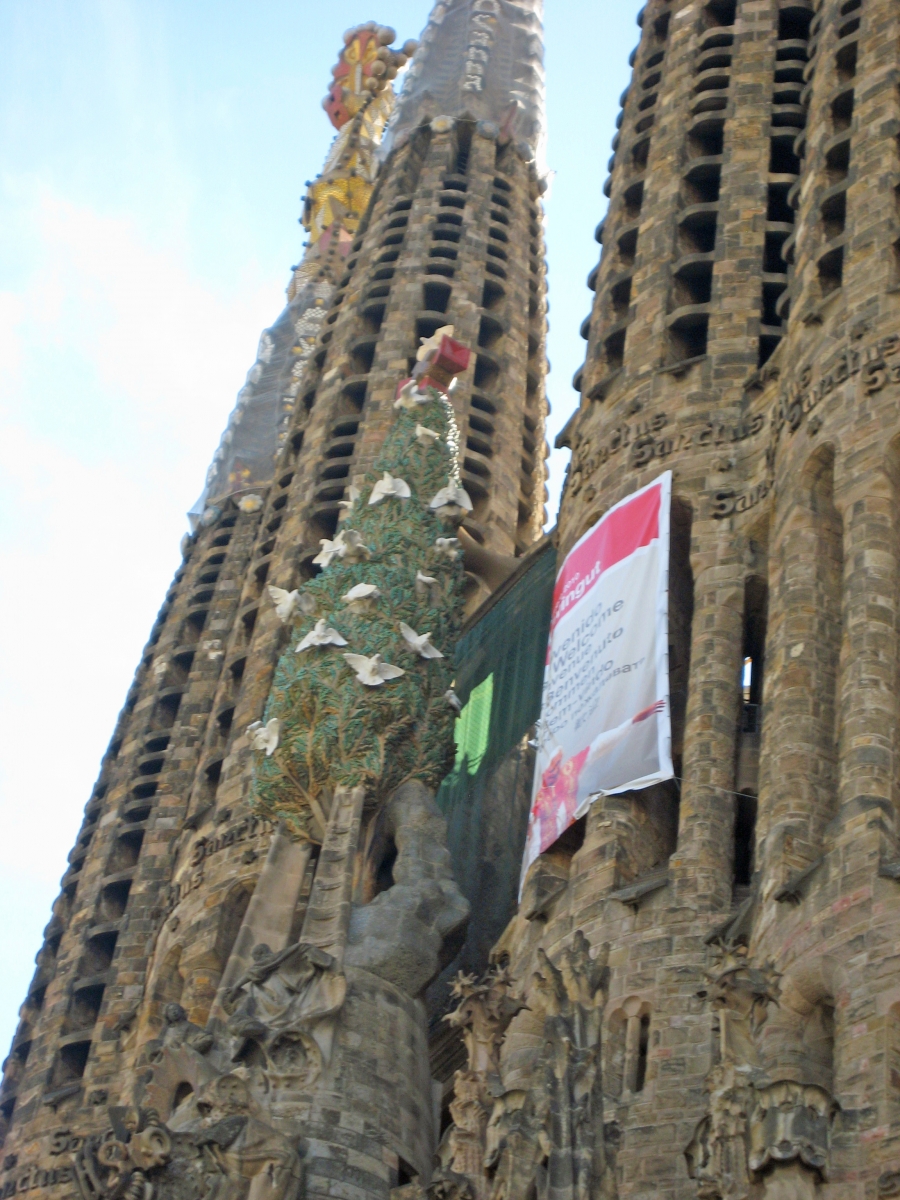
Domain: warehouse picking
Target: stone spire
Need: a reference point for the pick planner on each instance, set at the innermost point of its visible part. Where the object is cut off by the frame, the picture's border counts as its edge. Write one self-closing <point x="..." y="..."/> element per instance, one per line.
<point x="481" y="59"/>
<point x="359" y="102"/>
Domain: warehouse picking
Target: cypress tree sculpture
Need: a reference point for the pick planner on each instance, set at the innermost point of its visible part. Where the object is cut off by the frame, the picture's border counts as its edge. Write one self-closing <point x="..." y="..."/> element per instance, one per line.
<point x="362" y="696"/>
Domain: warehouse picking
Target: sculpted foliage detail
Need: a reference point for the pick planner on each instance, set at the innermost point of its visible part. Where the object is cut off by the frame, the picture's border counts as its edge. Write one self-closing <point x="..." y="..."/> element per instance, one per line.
<point x="334" y="730"/>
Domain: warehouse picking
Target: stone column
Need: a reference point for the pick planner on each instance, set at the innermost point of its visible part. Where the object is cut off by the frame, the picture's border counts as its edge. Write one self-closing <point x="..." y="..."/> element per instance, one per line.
<point x="868" y="686"/>
<point x="702" y="865"/>
<point x="805" y="636"/>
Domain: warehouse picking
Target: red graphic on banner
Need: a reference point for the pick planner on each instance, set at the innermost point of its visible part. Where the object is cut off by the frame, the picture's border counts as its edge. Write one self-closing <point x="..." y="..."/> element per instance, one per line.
<point x="553" y="810"/>
<point x="625" y="530"/>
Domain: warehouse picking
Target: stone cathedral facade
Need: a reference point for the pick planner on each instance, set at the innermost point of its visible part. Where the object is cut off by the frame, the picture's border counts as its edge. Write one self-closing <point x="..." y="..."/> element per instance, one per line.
<point x="250" y="985"/>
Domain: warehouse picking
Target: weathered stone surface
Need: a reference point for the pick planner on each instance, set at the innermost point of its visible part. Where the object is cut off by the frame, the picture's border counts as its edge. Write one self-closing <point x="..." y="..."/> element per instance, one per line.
<point x="745" y="334"/>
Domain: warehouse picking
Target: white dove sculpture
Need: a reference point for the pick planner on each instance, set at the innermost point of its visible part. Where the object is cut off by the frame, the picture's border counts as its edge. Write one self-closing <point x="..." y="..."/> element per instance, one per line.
<point x="453" y="700"/>
<point x="322" y="635"/>
<point x="265" y="737"/>
<point x="374" y="671"/>
<point x="409" y="396"/>
<point x="424" y="584"/>
<point x="285" y="602"/>
<point x="388" y="485"/>
<point x="329" y="551"/>
<point x="426" y="436"/>
<point x="420" y="642"/>
<point x="452" y="496"/>
<point x="449" y="547"/>
<point x="353" y="496"/>
<point x="361" y="591"/>
<point x="354" y="547"/>
<point x="427" y="345"/>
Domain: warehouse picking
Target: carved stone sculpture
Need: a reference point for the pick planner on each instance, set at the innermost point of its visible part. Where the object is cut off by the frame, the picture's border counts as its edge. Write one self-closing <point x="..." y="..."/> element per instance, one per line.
<point x="571" y="997"/>
<point x="741" y="995"/>
<point x="552" y="1129"/>
<point x="791" y="1123"/>
<point x="484" y="1010"/>
<point x="519" y="1144"/>
<point x="718" y="1153"/>
<point x="179" y="1031"/>
<point x="281" y="990"/>
<point x="255" y="1161"/>
<point x="114" y="1167"/>
<point x="755" y="1129"/>
<point x="277" y="1004"/>
<point x="400" y="934"/>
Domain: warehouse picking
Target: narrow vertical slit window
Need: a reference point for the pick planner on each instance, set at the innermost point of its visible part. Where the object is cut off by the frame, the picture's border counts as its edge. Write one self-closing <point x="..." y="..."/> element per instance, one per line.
<point x="643" y="1048"/>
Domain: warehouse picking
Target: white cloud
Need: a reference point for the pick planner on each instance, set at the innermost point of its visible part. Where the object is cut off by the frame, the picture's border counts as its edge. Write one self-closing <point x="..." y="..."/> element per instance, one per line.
<point x="118" y="367"/>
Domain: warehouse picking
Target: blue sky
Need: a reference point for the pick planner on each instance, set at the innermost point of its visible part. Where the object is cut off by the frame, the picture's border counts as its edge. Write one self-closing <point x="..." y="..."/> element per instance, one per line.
<point x="153" y="157"/>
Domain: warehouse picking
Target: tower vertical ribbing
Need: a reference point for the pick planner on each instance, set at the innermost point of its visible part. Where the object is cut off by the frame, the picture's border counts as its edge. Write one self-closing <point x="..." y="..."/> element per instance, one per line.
<point x="744" y="334"/>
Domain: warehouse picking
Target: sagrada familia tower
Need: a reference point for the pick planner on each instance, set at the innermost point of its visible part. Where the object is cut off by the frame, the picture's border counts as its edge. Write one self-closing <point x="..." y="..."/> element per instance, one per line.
<point x="290" y="956"/>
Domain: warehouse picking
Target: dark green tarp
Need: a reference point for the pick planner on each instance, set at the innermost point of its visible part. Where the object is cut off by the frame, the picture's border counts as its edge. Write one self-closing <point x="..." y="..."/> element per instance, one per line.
<point x="487" y="796"/>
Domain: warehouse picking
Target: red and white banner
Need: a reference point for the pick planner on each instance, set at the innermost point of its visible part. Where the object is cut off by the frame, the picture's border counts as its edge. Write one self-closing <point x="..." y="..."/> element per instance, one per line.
<point x="604" y="724"/>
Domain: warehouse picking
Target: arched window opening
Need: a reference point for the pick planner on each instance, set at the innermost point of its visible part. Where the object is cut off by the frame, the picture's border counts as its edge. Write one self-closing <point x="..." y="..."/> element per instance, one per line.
<point x="378" y="860"/>
<point x="628" y="1048"/>
<point x="818" y="1046"/>
<point x="681" y="617"/>
<point x="744" y="839"/>
<point x="640" y="1074"/>
<point x="384" y="871"/>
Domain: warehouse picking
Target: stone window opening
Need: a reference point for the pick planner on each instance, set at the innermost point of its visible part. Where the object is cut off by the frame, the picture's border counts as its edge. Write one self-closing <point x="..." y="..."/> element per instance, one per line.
<point x="639" y="1060"/>
<point x="746" y="785"/>
<point x="126" y="851"/>
<point x="378" y="861"/>
<point x="818" y="1046"/>
<point x="681" y="617"/>
<point x="745" y="813"/>
<point x="7" y="1108"/>
<point x="569" y="843"/>
<point x="114" y="900"/>
<point x="193" y="627"/>
<point x="210" y="782"/>
<point x="84" y="1008"/>
<point x="464" y="131"/>
<point x="719" y="13"/>
<point x="70" y="1063"/>
<point x="628" y="1049"/>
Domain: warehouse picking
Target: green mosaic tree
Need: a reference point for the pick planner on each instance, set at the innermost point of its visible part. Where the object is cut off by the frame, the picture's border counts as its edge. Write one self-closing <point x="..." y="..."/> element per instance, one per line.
<point x="361" y="696"/>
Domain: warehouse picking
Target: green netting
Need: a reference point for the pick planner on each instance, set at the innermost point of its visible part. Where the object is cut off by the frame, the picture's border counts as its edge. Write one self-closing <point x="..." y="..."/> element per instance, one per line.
<point x="486" y="797"/>
<point x="499" y="676"/>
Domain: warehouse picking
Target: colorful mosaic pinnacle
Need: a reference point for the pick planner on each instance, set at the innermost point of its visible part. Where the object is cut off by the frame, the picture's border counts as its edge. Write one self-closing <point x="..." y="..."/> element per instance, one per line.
<point x="359" y="696"/>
